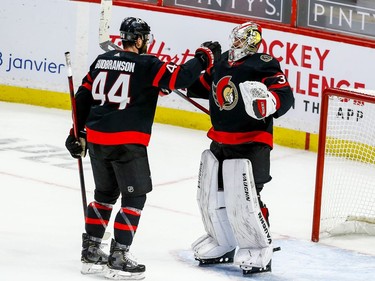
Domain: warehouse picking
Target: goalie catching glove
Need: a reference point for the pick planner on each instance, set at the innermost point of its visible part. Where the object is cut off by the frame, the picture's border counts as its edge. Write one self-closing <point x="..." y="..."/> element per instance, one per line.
<point x="259" y="102"/>
<point x="76" y="148"/>
<point x="208" y="53"/>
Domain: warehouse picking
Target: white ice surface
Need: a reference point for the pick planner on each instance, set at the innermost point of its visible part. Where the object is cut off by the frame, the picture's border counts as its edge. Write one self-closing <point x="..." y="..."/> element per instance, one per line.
<point x="42" y="217"/>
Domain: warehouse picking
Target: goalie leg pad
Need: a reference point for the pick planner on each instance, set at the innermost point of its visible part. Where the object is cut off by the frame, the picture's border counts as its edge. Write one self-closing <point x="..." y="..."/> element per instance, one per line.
<point x="248" y="224"/>
<point x="219" y="238"/>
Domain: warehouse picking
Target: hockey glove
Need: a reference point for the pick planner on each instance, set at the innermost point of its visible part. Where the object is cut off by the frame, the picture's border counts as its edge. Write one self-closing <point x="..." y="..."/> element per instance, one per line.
<point x="208" y="53"/>
<point x="76" y="148"/>
<point x="259" y="102"/>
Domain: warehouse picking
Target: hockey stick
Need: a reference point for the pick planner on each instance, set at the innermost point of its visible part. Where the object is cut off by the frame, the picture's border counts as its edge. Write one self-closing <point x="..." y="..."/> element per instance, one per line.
<point x="197" y="105"/>
<point x="75" y="127"/>
<point x="107" y="45"/>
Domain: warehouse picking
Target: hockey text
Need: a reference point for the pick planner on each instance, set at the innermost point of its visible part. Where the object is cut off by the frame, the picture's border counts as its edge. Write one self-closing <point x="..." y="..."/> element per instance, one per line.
<point x="297" y="57"/>
<point x="307" y="69"/>
<point x="18" y="63"/>
<point x="265" y="227"/>
<point x="266" y="9"/>
<point x="245" y="187"/>
<point x="115" y="65"/>
<point x="349" y="114"/>
<point x="161" y="51"/>
<point x="296" y="54"/>
<point x="338" y="16"/>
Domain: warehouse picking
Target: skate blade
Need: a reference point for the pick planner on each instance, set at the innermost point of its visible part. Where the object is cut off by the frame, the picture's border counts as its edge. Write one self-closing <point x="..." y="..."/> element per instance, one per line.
<point x="91" y="268"/>
<point x="208" y="262"/>
<point x="226" y="258"/>
<point x="123" y="275"/>
<point x="247" y="270"/>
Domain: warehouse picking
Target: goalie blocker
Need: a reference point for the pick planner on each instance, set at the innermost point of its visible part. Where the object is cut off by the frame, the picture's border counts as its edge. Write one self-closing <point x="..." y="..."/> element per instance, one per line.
<point x="232" y="217"/>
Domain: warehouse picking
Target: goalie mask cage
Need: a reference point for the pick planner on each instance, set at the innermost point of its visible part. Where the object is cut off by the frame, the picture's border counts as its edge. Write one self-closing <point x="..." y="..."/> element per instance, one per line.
<point x="345" y="174"/>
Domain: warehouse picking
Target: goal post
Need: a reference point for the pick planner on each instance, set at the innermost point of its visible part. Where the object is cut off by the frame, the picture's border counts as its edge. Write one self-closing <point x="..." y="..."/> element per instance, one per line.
<point x="344" y="200"/>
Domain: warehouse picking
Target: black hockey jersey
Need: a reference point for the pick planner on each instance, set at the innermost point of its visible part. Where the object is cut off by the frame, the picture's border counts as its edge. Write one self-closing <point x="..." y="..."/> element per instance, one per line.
<point x="230" y="122"/>
<point x="117" y="99"/>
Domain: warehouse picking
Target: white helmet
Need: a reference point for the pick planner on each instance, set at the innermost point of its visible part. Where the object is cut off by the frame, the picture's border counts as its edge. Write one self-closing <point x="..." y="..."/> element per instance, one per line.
<point x="244" y="40"/>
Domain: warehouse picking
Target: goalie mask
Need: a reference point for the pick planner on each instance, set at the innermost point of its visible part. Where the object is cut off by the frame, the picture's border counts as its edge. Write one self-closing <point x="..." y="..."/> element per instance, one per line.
<point x="245" y="40"/>
<point x="133" y="28"/>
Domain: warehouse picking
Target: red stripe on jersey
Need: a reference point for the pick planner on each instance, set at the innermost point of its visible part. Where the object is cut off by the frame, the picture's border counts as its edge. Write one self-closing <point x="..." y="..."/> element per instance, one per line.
<point x="131" y="212"/>
<point x="88" y="77"/>
<point x="116" y="138"/>
<point x="204" y="82"/>
<point x="96" y="221"/>
<point x="278" y="86"/>
<point x="277" y="99"/>
<point x="121" y="226"/>
<point x="240" y="138"/>
<point x="159" y="75"/>
<point x="100" y="206"/>
<point x="88" y="86"/>
<point x="88" y="83"/>
<point x="172" y="82"/>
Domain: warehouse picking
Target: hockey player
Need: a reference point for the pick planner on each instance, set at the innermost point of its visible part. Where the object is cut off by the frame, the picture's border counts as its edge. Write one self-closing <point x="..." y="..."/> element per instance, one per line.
<point x="115" y="106"/>
<point x="246" y="90"/>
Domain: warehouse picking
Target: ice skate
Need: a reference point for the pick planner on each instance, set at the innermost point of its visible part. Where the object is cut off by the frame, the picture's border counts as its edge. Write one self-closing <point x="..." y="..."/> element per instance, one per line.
<point x="247" y="271"/>
<point x="93" y="259"/>
<point x="226" y="258"/>
<point x="121" y="264"/>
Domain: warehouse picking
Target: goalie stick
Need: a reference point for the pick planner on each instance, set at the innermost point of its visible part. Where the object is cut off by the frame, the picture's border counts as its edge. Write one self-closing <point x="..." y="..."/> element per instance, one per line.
<point x="75" y="128"/>
<point x="105" y="16"/>
<point x="107" y="45"/>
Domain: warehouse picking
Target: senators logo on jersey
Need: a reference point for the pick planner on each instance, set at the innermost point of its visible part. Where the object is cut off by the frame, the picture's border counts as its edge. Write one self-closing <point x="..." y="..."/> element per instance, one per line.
<point x="225" y="93"/>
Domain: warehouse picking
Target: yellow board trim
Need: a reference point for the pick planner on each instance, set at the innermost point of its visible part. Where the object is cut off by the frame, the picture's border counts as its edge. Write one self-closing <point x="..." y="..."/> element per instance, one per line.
<point x="35" y="97"/>
<point x="182" y="118"/>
